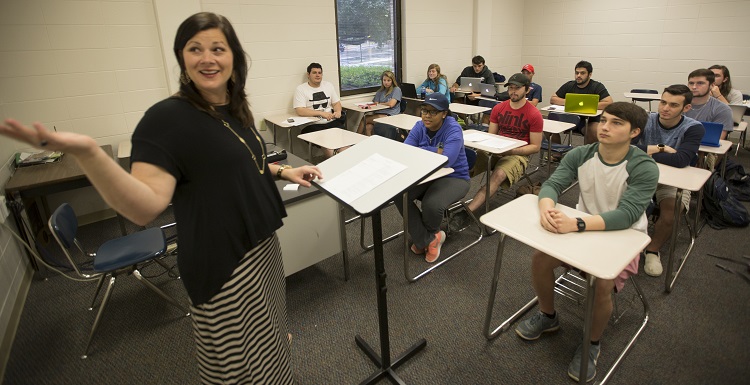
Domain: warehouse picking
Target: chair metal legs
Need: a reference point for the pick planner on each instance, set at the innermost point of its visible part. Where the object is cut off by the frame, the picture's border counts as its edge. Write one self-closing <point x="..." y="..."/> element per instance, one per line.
<point x="108" y="293"/>
<point x="407" y="274"/>
<point x="98" y="288"/>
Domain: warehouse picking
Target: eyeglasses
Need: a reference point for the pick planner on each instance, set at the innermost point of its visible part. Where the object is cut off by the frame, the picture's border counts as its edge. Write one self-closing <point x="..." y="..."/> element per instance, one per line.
<point x="432" y="113"/>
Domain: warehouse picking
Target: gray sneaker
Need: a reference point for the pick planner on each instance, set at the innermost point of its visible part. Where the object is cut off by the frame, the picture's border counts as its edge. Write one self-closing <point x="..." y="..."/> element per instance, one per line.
<point x="574" y="368"/>
<point x="533" y="327"/>
<point x="459" y="222"/>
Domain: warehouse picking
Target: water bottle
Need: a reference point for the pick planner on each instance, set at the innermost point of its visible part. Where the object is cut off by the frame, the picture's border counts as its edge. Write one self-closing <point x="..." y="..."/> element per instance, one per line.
<point x="422" y="92"/>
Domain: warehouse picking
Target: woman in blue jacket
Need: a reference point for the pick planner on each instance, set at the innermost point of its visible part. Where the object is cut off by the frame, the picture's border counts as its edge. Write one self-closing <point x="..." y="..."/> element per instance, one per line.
<point x="435" y="82"/>
<point x="436" y="132"/>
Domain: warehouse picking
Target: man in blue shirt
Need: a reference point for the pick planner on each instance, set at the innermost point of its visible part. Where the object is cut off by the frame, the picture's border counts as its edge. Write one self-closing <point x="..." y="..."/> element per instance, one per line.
<point x="673" y="139"/>
<point x="535" y="90"/>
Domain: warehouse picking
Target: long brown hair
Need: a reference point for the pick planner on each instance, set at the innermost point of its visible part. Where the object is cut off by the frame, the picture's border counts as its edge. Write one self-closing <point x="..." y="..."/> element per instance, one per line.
<point x="394" y="84"/>
<point x="238" y="105"/>
<point x="726" y="86"/>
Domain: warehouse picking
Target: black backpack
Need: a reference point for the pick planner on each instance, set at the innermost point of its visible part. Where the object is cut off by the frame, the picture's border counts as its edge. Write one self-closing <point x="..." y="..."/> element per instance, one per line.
<point x="721" y="209"/>
<point x="738" y="181"/>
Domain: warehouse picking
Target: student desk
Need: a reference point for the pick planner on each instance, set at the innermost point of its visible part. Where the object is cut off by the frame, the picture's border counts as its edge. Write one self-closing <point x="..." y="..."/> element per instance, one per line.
<point x="400" y="121"/>
<point x="332" y="138"/>
<point x="686" y="178"/>
<point x="491" y="151"/>
<point x="550" y="128"/>
<point x="32" y="184"/>
<point x="467" y="109"/>
<point x="361" y="112"/>
<point x="724" y="146"/>
<point x="519" y="219"/>
<point x="280" y="120"/>
<point x="642" y="95"/>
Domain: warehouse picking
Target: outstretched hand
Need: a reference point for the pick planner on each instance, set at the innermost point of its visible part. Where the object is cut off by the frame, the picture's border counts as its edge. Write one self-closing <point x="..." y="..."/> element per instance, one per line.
<point x="40" y="137"/>
<point x="302" y="175"/>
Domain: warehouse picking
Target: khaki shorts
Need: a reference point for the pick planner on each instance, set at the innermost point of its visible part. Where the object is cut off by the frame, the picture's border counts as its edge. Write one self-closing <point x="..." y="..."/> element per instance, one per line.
<point x="513" y="166"/>
<point x="664" y="192"/>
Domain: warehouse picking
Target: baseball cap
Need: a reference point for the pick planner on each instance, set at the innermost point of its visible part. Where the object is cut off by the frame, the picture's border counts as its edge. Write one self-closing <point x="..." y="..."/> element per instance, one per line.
<point x="437" y="100"/>
<point x="528" y="67"/>
<point x="518" y="79"/>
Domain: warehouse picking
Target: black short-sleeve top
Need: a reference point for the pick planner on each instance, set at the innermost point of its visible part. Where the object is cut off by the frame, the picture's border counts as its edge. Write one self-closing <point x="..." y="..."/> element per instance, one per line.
<point x="223" y="205"/>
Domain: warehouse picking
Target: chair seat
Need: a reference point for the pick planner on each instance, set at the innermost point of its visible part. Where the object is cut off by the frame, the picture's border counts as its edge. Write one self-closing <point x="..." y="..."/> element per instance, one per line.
<point x="558" y="148"/>
<point x="130" y="250"/>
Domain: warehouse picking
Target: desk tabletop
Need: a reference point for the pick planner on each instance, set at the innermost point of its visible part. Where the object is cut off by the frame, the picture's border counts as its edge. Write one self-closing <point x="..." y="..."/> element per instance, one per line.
<point x="333" y="138"/>
<point x="604" y="254"/>
<point x="642" y="95"/>
<point x="467" y="109"/>
<point x="288" y="196"/>
<point x="402" y="121"/>
<point x="42" y="175"/>
<point x="515" y="143"/>
<point x="556" y="127"/>
<point x="724" y="146"/>
<point x="561" y="110"/>
<point x="686" y="178"/>
<point x="281" y="120"/>
<point x="354" y="106"/>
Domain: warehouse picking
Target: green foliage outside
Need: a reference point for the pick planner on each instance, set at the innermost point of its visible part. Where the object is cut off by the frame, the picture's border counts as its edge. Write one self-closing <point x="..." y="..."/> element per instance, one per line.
<point x="364" y="19"/>
<point x="354" y="77"/>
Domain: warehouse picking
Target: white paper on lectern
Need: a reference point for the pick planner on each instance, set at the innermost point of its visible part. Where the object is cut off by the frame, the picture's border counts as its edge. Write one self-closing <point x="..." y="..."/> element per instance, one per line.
<point x="363" y="177"/>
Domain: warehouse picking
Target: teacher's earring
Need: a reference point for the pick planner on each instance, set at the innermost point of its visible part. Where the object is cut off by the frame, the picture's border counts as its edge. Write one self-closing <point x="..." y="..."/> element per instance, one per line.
<point x="184" y="78"/>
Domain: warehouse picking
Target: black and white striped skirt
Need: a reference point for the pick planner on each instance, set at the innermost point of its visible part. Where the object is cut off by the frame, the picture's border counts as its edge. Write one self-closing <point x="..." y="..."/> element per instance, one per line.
<point x="241" y="332"/>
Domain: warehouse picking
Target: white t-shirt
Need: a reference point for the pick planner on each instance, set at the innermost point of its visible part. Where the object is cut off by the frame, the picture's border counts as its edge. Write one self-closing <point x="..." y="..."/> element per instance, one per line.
<point x="320" y="99"/>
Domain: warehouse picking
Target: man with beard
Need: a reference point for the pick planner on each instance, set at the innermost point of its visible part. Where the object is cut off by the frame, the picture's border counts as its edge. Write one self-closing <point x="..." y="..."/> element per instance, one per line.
<point x="515" y="118"/>
<point x="706" y="108"/>
<point x="673" y="139"/>
<point x="583" y="84"/>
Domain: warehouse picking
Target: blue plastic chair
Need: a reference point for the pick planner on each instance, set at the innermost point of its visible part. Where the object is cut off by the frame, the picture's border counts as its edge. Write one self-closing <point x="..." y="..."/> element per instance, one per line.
<point x="115" y="257"/>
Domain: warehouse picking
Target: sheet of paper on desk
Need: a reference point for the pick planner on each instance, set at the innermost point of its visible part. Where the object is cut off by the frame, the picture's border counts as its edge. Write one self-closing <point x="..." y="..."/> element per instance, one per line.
<point x="498" y="143"/>
<point x="297" y="120"/>
<point x="363" y="177"/>
<point x="476" y="137"/>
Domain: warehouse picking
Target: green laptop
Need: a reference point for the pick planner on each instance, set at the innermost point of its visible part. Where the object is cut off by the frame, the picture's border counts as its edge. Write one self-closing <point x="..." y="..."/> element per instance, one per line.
<point x="581" y="103"/>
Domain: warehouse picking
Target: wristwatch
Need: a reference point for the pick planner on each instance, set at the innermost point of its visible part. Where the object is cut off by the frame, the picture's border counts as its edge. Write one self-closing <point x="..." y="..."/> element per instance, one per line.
<point x="661" y="147"/>
<point x="581" y="225"/>
<point x="282" y="168"/>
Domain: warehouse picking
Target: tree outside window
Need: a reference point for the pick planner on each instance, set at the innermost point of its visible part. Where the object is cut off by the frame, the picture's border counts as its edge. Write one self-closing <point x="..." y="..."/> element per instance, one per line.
<point x="368" y="34"/>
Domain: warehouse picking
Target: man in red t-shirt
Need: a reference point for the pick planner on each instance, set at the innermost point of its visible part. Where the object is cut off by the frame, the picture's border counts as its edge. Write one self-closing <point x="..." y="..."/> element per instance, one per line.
<point x="515" y="118"/>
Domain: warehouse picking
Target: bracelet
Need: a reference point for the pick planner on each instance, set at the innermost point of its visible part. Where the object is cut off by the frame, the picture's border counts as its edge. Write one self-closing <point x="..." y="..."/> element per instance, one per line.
<point x="282" y="168"/>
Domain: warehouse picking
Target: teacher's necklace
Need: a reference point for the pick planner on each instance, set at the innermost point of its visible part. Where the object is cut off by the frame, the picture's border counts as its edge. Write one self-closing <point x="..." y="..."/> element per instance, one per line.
<point x="260" y="166"/>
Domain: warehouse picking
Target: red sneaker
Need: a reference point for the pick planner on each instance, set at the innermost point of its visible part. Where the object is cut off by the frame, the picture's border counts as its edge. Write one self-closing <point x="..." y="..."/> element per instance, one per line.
<point x="433" y="249"/>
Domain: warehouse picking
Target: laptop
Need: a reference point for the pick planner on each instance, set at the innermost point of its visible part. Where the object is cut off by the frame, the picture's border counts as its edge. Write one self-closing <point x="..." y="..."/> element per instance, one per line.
<point x="737" y="113"/>
<point x="712" y="135"/>
<point x="581" y="103"/>
<point x="488" y="90"/>
<point x="470" y="84"/>
<point x="409" y="90"/>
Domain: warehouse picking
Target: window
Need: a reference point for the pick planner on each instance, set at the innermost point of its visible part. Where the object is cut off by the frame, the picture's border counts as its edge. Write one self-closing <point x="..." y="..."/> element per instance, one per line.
<point x="369" y="38"/>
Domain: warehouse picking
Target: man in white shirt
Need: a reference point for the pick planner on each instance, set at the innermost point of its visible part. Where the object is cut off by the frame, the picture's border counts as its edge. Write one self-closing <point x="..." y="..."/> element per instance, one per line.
<point x="318" y="98"/>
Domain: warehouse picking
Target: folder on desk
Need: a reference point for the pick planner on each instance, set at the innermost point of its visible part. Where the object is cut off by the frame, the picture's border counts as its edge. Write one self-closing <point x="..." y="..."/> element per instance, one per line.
<point x="712" y="135"/>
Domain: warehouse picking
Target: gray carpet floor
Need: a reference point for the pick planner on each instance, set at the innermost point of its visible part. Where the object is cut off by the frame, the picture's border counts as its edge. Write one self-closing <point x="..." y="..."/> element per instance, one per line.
<point x="696" y="335"/>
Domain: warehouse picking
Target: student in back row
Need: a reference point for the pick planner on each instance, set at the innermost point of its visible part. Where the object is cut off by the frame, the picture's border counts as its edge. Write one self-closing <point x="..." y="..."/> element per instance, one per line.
<point x="583" y="84"/>
<point x="389" y="95"/>
<point x="477" y="70"/>
<point x="722" y="88"/>
<point x="435" y="82"/>
<point x="318" y="98"/>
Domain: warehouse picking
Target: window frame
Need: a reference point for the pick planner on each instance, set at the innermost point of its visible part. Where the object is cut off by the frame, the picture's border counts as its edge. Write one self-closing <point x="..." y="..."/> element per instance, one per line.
<point x="397" y="56"/>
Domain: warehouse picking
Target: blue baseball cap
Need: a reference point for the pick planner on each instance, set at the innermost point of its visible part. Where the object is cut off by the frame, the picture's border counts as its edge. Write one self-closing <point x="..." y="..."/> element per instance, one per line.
<point x="437" y="100"/>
